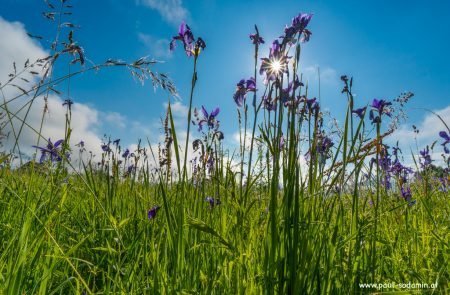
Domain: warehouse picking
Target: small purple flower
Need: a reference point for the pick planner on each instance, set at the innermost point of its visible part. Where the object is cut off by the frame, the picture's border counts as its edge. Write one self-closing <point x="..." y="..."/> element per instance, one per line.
<point x="152" y="212"/>
<point x="301" y="21"/>
<point x="68" y="103"/>
<point x="446" y="138"/>
<point x="382" y="107"/>
<point x="209" y="119"/>
<point x="360" y="112"/>
<point x="324" y="145"/>
<point x="80" y="144"/>
<point x="406" y="194"/>
<point x="275" y="64"/>
<point x="106" y="148"/>
<point x="425" y="156"/>
<point x="256" y="39"/>
<point x="242" y="88"/>
<point x="186" y="36"/>
<point x="116" y="142"/>
<point x="126" y="153"/>
<point x="212" y="202"/>
<point x="268" y="104"/>
<point x="51" y="151"/>
<point x="299" y="24"/>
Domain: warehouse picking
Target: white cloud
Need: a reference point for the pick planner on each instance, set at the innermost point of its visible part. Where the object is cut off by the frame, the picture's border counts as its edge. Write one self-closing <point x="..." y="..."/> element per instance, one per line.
<point x="171" y="10"/>
<point x="115" y="119"/>
<point x="158" y="48"/>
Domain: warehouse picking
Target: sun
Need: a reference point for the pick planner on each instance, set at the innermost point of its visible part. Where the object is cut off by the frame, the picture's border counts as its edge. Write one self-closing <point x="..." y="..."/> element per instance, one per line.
<point x="276" y="66"/>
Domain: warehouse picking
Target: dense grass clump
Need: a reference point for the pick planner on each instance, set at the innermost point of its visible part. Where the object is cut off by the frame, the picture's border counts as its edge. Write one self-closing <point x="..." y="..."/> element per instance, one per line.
<point x="299" y="208"/>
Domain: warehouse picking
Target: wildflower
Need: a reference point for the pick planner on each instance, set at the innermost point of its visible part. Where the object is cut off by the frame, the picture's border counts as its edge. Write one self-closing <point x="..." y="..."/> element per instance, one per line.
<point x="68" y="103"/>
<point x="243" y="87"/>
<point x="152" y="212"/>
<point x="105" y="148"/>
<point x="292" y="86"/>
<point x="268" y="104"/>
<point x="209" y="119"/>
<point x="446" y="138"/>
<point x="298" y="25"/>
<point x="275" y="64"/>
<point x="116" y="142"/>
<point x="186" y="36"/>
<point x="256" y="39"/>
<point x="324" y="145"/>
<point x="425" y="156"/>
<point x="212" y="202"/>
<point x="80" y="144"/>
<point x="126" y="153"/>
<point x="51" y="151"/>
<point x="360" y="112"/>
<point x="380" y="106"/>
<point x="406" y="194"/>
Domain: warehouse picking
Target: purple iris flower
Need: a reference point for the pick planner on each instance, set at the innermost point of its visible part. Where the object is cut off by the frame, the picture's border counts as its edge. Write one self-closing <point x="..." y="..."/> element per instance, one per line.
<point x="406" y="194"/>
<point x="105" y="148"/>
<point x="301" y="21"/>
<point x="425" y="155"/>
<point x="186" y="36"/>
<point x="381" y="106"/>
<point x="276" y="63"/>
<point x="51" y="151"/>
<point x="360" y="112"/>
<point x="200" y="43"/>
<point x="212" y="202"/>
<point x="325" y="145"/>
<point x="292" y="86"/>
<point x="209" y="119"/>
<point x="299" y="24"/>
<point x="68" y="103"/>
<point x="256" y="39"/>
<point x="446" y="138"/>
<point x="126" y="153"/>
<point x="242" y="87"/>
<point x="152" y="212"/>
<point x="268" y="104"/>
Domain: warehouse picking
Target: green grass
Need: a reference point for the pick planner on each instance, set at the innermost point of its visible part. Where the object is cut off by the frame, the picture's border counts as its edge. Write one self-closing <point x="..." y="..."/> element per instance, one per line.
<point x="58" y="237"/>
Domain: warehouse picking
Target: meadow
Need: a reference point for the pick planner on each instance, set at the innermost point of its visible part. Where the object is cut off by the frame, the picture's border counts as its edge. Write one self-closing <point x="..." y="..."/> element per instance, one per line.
<point x="299" y="208"/>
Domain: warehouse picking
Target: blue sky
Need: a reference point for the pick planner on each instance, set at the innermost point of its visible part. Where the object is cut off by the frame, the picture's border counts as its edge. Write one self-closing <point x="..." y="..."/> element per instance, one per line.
<point x="387" y="46"/>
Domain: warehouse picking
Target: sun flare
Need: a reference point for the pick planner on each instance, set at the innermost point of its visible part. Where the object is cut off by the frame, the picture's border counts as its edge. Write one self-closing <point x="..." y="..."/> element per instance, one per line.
<point x="276" y="67"/>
